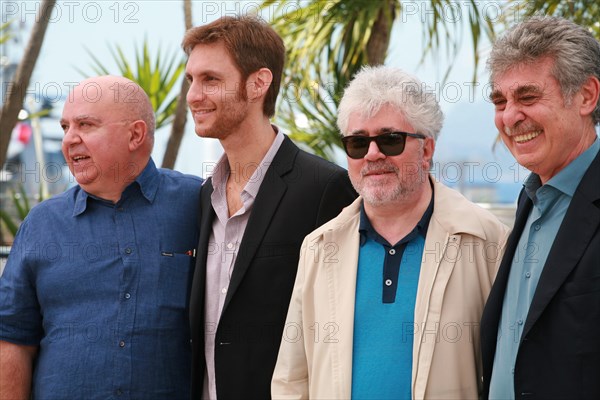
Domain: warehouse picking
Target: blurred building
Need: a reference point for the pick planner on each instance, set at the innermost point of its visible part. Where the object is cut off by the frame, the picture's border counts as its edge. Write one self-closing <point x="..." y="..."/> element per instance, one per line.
<point x="35" y="164"/>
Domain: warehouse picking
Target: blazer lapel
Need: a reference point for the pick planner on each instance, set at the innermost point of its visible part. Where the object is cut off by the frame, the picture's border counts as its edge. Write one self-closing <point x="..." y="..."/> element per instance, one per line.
<point x="265" y="205"/>
<point x="578" y="227"/>
<point x="496" y="297"/>
<point x="207" y="215"/>
<point x="493" y="307"/>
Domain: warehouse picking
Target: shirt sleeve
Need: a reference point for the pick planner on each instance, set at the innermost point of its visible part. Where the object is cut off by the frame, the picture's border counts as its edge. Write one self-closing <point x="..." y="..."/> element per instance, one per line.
<point x="20" y="316"/>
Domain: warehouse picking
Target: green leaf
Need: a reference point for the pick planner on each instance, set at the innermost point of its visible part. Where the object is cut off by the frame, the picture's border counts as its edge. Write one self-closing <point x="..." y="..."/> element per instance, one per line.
<point x="328" y="42"/>
<point x="20" y="201"/>
<point x="9" y="222"/>
<point x="157" y="74"/>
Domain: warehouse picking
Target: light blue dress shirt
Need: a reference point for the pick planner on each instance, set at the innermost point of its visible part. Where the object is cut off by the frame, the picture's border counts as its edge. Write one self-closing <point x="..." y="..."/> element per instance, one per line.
<point x="550" y="204"/>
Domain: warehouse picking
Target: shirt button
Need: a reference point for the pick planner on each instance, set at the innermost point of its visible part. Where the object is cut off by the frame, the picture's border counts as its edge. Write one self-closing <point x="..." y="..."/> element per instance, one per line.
<point x="230" y="246"/>
<point x="388" y="282"/>
<point x="537" y="227"/>
<point x="118" y="392"/>
<point x="224" y="290"/>
<point x="512" y="371"/>
<point x="127" y="296"/>
<point x="128" y="251"/>
<point x="122" y="343"/>
<point x="528" y="274"/>
<point x="520" y="322"/>
<point x="392" y="252"/>
<point x="120" y="209"/>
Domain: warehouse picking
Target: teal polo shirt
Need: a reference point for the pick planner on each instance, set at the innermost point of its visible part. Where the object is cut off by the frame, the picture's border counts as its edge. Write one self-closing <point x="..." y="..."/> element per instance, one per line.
<point x="386" y="289"/>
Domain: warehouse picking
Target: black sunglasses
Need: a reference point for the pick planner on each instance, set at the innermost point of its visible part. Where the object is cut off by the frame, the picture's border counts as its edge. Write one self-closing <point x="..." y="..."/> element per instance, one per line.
<point x="390" y="144"/>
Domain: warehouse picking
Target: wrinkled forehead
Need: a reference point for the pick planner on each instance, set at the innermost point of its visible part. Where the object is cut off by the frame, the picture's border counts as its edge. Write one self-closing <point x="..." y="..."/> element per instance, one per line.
<point x="529" y="73"/>
<point x="384" y="117"/>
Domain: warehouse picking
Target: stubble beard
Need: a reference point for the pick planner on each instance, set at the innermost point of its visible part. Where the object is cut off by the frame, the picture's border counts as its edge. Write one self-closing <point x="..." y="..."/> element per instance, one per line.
<point x="399" y="186"/>
<point x="229" y="117"/>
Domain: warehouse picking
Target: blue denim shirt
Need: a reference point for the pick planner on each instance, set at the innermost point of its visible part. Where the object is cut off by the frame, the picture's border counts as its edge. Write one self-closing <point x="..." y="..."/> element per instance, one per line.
<point x="103" y="289"/>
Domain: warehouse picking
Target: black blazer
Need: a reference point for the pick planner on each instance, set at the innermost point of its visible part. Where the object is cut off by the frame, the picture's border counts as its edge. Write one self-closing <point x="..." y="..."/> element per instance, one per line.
<point x="299" y="193"/>
<point x="559" y="352"/>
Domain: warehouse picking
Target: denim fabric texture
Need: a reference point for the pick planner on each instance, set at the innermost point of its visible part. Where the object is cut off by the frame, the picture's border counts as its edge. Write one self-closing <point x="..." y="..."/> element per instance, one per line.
<point x="103" y="290"/>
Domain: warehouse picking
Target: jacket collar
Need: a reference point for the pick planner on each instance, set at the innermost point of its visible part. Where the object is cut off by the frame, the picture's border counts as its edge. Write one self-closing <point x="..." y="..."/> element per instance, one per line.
<point x="448" y="211"/>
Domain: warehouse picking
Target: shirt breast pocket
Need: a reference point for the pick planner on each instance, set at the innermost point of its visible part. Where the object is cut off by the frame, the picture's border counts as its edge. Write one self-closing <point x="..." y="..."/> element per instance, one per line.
<point x="176" y="270"/>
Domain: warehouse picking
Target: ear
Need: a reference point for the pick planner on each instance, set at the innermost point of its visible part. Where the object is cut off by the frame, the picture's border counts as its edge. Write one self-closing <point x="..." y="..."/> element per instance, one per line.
<point x="258" y="84"/>
<point x="428" y="150"/>
<point x="589" y="91"/>
<point x="138" y="133"/>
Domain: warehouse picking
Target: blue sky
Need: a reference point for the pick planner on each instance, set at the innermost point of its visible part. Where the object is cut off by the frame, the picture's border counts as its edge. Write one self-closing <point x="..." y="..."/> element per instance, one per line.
<point x="466" y="140"/>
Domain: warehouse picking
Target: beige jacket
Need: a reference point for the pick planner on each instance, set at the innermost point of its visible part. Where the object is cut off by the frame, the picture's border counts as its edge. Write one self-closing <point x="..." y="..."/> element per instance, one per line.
<point x="460" y="259"/>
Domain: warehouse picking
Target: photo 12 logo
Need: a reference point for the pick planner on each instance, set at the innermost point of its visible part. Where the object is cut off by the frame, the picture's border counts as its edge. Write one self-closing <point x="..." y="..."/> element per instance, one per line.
<point x="71" y="11"/>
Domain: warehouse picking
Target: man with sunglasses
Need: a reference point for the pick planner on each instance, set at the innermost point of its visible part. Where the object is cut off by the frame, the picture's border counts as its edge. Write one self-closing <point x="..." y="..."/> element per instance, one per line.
<point x="389" y="294"/>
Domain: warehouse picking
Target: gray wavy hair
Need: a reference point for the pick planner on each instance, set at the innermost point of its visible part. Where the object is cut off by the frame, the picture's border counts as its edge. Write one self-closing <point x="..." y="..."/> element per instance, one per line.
<point x="374" y="87"/>
<point x="575" y="51"/>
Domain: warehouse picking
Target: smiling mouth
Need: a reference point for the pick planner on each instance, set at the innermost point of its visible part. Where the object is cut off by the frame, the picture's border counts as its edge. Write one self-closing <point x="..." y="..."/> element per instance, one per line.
<point x="526" y="137"/>
<point x="203" y="112"/>
<point x="79" y="158"/>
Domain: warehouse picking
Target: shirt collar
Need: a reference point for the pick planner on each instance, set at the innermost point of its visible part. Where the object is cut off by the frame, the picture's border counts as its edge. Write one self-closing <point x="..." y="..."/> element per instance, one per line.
<point x="569" y="177"/>
<point x="222" y="170"/>
<point x="147" y="182"/>
<point x="257" y="177"/>
<point x="531" y="185"/>
<point x="368" y="232"/>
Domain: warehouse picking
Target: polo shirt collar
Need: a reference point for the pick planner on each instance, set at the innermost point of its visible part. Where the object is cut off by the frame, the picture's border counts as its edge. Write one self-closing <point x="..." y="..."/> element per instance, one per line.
<point x="368" y="232"/>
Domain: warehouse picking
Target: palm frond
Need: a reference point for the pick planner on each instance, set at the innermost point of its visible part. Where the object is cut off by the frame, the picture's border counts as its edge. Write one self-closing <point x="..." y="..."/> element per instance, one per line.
<point x="583" y="12"/>
<point x="157" y="75"/>
<point x="5" y="33"/>
<point x="328" y="42"/>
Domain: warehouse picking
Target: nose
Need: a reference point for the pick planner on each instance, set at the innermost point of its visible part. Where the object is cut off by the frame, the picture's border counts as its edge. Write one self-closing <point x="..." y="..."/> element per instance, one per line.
<point x="195" y="93"/>
<point x="373" y="153"/>
<point x="512" y="115"/>
<point x="71" y="137"/>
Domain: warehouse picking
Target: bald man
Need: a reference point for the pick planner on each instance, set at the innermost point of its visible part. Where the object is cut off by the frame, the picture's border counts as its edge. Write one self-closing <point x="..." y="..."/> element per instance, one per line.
<point x="93" y="300"/>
